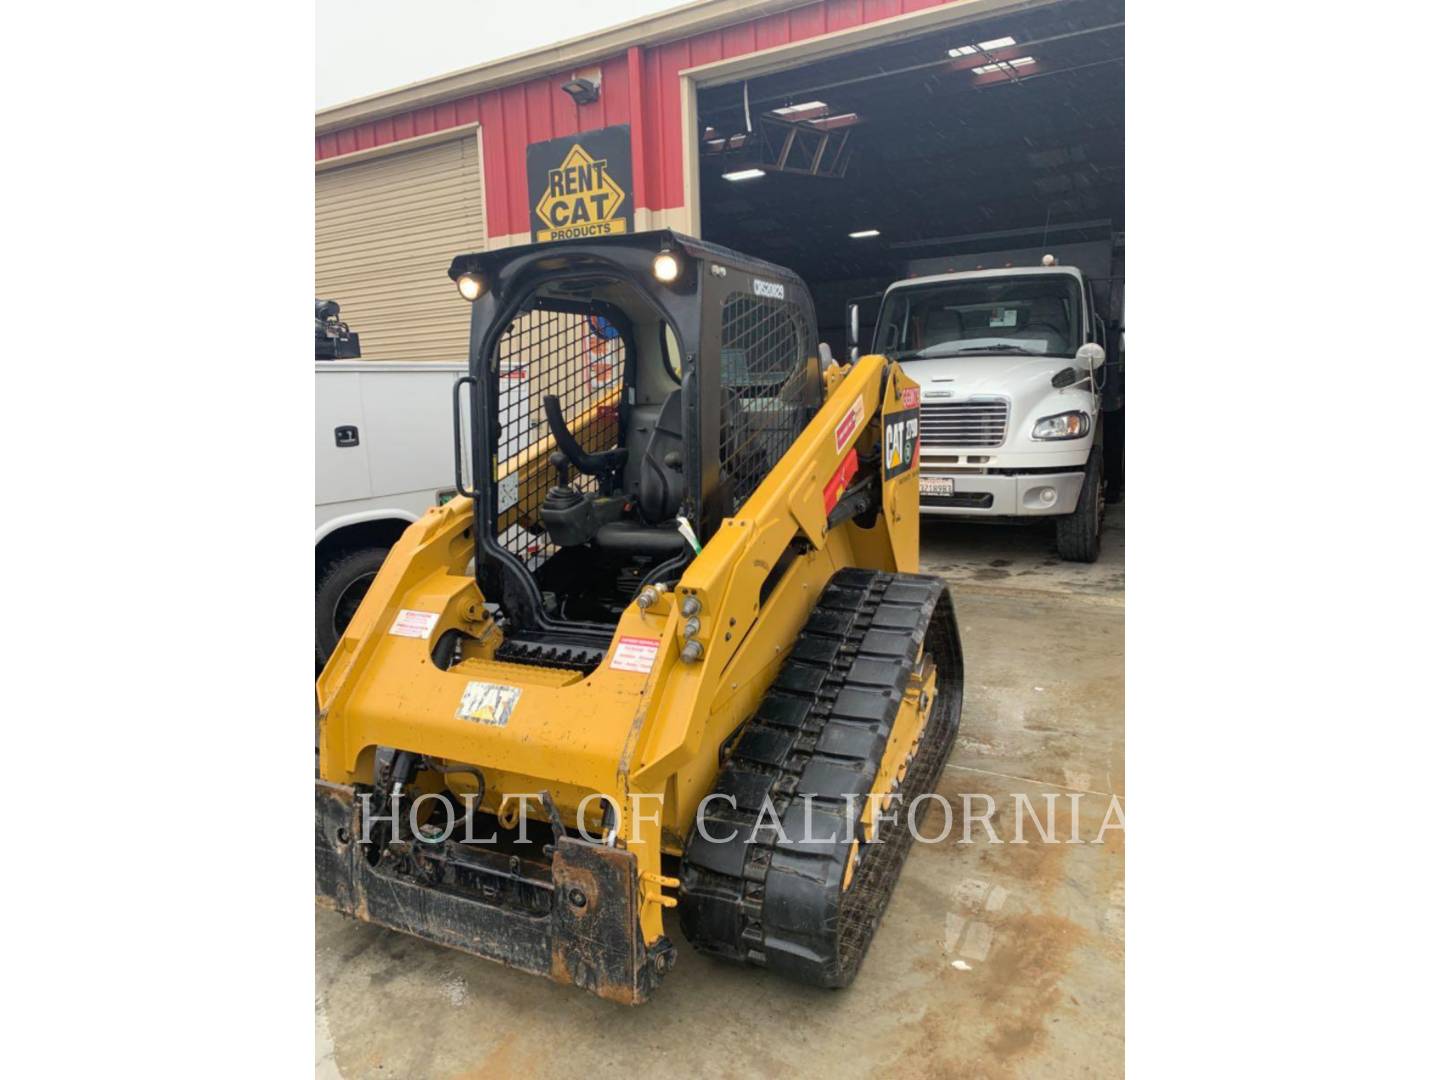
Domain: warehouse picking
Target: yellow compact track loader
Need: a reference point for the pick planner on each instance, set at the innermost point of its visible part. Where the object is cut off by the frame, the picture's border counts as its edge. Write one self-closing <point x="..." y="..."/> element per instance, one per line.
<point x="670" y="650"/>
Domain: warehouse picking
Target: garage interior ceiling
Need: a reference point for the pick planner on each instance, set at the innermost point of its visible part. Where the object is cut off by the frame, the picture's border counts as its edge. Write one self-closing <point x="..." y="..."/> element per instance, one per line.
<point x="961" y="142"/>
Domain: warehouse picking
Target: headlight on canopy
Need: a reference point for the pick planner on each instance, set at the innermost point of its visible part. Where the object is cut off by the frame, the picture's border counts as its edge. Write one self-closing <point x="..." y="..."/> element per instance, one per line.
<point x="1069" y="425"/>
<point x="470" y="285"/>
<point x="666" y="267"/>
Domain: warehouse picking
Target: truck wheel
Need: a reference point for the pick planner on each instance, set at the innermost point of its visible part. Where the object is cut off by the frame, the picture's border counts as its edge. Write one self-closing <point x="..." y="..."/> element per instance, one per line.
<point x="338" y="592"/>
<point x="1077" y="534"/>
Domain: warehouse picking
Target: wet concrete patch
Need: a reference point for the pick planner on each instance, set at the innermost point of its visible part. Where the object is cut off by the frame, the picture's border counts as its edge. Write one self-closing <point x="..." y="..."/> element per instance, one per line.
<point x="1023" y="556"/>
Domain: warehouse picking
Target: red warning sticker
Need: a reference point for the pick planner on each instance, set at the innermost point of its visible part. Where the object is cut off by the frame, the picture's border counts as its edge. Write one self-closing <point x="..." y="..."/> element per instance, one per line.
<point x="418" y="624"/>
<point x="849" y="424"/>
<point x="910" y="397"/>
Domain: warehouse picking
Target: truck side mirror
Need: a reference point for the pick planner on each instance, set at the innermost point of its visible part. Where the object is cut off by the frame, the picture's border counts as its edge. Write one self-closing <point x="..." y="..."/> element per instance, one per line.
<point x="852" y="329"/>
<point x="1091" y="355"/>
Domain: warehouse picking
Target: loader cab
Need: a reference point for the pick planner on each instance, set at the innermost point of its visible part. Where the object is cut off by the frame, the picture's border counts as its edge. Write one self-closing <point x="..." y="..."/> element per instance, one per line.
<point x="627" y="394"/>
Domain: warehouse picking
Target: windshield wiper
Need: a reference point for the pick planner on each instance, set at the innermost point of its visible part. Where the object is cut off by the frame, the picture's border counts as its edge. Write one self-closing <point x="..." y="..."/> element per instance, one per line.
<point x="996" y="348"/>
<point x="924" y="354"/>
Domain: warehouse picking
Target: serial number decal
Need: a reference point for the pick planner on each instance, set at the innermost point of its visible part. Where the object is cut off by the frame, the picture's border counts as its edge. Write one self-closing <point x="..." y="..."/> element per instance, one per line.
<point x="849" y="424"/>
<point x="771" y="289"/>
<point x="902" y="442"/>
<point x="487" y="703"/>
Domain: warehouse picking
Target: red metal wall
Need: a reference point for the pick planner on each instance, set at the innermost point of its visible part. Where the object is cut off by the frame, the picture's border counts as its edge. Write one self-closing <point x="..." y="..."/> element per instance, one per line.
<point x="514" y="117"/>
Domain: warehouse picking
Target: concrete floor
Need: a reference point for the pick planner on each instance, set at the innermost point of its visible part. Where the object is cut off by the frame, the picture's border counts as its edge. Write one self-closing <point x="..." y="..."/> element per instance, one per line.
<point x="993" y="960"/>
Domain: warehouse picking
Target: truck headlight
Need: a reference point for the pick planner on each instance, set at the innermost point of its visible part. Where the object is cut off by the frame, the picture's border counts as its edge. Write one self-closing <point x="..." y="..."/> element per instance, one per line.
<point x="1065" y="425"/>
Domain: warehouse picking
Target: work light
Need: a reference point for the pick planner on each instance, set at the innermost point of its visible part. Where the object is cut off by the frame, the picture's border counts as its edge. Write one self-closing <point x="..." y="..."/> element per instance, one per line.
<point x="667" y="267"/>
<point x="470" y="286"/>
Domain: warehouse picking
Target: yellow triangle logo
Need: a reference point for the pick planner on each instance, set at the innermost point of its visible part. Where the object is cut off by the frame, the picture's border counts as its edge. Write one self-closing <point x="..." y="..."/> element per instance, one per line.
<point x="580" y="200"/>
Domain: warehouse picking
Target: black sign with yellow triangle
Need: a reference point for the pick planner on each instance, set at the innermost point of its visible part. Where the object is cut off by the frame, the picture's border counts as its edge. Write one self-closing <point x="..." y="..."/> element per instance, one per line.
<point x="580" y="185"/>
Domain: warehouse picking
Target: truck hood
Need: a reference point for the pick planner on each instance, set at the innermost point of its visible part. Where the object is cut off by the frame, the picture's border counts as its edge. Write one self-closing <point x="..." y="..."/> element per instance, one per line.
<point x="1015" y="377"/>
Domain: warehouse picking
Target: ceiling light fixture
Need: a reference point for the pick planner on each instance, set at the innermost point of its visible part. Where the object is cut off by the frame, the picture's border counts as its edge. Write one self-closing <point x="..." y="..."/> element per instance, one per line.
<point x="804" y="106"/>
<point x="971" y="50"/>
<point x="743" y="174"/>
<point x="864" y="234"/>
<point x="1018" y="62"/>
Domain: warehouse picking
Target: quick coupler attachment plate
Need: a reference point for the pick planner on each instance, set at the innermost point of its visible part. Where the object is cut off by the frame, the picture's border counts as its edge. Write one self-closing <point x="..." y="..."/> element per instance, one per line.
<point x="572" y="914"/>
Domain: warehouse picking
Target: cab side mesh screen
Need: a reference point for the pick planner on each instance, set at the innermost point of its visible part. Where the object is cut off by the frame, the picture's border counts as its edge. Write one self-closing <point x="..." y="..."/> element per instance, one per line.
<point x="581" y="360"/>
<point x="763" y="357"/>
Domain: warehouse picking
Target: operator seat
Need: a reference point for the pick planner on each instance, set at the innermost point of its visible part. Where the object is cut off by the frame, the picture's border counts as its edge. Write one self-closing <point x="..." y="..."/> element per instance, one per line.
<point x="659" y="489"/>
<point x="662" y="477"/>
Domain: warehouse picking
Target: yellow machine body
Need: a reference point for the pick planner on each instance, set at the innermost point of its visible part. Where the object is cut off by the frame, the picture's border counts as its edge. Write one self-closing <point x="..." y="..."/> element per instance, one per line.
<point x="648" y="741"/>
<point x="726" y="602"/>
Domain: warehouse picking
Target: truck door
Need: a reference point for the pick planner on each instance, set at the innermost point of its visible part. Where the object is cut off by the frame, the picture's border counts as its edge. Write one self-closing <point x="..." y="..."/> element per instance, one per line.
<point x="342" y="466"/>
<point x="409" y="413"/>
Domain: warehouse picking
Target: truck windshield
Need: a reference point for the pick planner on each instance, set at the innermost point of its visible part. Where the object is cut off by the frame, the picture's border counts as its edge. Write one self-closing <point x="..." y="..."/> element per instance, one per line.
<point x="1038" y="316"/>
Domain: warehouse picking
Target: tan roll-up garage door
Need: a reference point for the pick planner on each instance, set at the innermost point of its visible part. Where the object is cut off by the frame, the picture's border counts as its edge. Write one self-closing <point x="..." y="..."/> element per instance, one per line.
<point x="385" y="232"/>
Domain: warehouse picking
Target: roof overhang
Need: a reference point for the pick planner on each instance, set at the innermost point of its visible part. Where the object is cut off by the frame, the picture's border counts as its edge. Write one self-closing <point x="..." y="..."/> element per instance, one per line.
<point x="689" y="19"/>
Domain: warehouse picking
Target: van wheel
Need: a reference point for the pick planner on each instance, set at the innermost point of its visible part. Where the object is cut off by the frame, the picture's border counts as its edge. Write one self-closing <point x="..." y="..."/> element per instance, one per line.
<point x="338" y="592"/>
<point x="1077" y="534"/>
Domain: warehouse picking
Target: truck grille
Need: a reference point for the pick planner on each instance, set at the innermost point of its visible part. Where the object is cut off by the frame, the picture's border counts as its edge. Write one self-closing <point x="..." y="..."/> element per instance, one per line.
<point x="978" y="422"/>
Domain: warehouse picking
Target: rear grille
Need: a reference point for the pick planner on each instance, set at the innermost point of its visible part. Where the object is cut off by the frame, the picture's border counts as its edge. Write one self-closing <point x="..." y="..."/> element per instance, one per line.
<point x="979" y="422"/>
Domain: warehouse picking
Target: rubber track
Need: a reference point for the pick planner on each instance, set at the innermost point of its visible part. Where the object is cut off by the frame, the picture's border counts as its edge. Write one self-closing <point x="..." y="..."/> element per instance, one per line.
<point x="822" y="729"/>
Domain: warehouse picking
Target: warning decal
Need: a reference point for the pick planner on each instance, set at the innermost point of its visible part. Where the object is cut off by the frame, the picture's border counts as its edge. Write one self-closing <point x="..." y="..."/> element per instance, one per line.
<point x="507" y="492"/>
<point x="580" y="185"/>
<point x="488" y="703"/>
<point x="635" y="654"/>
<point x="849" y="424"/>
<point x="414" y="623"/>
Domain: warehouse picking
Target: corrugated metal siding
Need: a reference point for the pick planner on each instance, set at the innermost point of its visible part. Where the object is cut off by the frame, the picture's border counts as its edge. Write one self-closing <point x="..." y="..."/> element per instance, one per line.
<point x="514" y="117"/>
<point x="385" y="232"/>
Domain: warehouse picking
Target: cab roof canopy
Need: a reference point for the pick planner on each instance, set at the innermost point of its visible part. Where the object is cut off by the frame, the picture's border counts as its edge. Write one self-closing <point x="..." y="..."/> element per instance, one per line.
<point x="569" y="253"/>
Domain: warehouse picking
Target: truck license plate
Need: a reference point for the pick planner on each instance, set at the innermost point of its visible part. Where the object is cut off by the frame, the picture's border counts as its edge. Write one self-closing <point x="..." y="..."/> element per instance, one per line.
<point x="937" y="485"/>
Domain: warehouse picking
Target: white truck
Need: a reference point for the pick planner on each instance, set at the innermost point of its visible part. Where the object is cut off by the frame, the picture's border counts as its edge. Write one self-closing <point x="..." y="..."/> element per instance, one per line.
<point x="384" y="454"/>
<point x="385" y="443"/>
<point x="1013" y="371"/>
